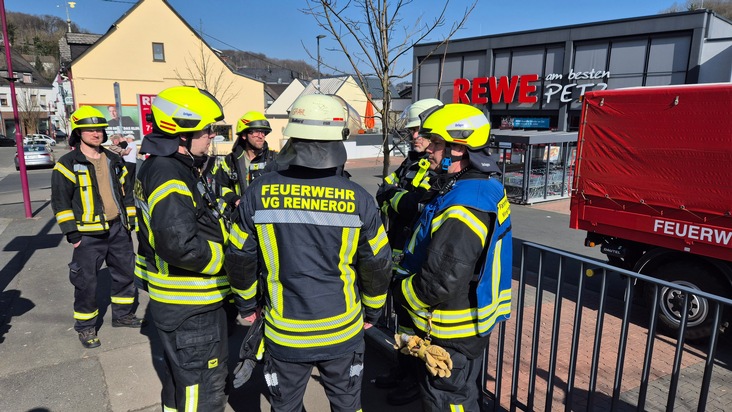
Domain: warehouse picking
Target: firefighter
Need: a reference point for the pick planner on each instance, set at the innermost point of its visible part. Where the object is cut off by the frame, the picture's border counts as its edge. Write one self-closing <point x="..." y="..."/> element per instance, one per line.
<point x="91" y="196"/>
<point x="324" y="258"/>
<point x="181" y="247"/>
<point x="401" y="190"/>
<point x="399" y="197"/>
<point x="248" y="158"/>
<point x="458" y="260"/>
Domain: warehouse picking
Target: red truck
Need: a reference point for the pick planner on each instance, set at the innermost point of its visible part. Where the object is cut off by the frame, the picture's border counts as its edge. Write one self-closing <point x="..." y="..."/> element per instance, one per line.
<point x="653" y="188"/>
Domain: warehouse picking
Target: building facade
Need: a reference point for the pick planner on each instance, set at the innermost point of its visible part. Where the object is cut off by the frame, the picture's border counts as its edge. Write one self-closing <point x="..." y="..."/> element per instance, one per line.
<point x="148" y="49"/>
<point x="530" y="83"/>
<point x="533" y="79"/>
<point x="34" y="97"/>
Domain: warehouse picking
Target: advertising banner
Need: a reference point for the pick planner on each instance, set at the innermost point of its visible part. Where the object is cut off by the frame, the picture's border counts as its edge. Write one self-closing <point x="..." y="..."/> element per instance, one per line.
<point x="144" y="102"/>
<point x="128" y="120"/>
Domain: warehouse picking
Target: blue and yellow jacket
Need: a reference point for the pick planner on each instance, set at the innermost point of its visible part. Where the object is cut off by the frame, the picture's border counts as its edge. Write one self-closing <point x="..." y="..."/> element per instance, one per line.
<point x="316" y="241"/>
<point x="180" y="256"/>
<point x="75" y="198"/>
<point x="458" y="265"/>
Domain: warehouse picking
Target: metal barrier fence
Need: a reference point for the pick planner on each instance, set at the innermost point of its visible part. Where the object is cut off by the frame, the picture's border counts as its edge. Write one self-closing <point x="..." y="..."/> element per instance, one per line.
<point x="576" y="340"/>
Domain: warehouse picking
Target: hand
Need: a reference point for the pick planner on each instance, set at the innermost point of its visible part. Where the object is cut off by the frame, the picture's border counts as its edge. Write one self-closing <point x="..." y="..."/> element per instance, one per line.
<point x="251" y="318"/>
<point x="385" y="193"/>
<point x="77" y="244"/>
<point x="367" y="325"/>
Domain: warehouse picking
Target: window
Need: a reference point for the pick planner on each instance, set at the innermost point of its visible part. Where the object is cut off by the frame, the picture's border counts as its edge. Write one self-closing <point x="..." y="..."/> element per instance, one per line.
<point x="3" y="99"/>
<point x="34" y="100"/>
<point x="158" y="52"/>
<point x="27" y="78"/>
<point x="43" y="101"/>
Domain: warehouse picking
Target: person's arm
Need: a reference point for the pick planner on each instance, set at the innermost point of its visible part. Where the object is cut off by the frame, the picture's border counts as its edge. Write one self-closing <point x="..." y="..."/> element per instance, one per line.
<point x="128" y="188"/>
<point x="373" y="263"/>
<point x="241" y="259"/>
<point x="174" y="223"/>
<point x="63" y="182"/>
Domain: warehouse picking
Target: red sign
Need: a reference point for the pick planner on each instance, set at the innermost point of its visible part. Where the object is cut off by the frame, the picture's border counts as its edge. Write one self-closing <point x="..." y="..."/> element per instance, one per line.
<point x="144" y="102"/>
<point x="500" y="89"/>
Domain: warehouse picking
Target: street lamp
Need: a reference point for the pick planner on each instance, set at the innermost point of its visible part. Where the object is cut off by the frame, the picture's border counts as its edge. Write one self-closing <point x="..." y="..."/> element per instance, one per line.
<point x="318" y="37"/>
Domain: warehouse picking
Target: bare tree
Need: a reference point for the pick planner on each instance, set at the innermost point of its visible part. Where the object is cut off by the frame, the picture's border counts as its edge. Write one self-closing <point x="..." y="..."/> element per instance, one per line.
<point x="208" y="72"/>
<point x="380" y="35"/>
<point x="29" y="110"/>
<point x="721" y="7"/>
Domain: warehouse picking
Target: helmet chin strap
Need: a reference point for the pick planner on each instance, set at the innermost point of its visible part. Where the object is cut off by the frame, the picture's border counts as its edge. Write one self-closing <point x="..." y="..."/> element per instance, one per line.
<point x="448" y="161"/>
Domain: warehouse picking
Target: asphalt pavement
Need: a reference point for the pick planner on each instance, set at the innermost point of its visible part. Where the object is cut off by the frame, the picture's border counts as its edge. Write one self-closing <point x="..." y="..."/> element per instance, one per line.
<point x="45" y="368"/>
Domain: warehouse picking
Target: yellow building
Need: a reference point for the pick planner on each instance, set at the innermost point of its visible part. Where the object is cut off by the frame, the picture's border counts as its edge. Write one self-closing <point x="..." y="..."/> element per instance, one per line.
<point x="151" y="48"/>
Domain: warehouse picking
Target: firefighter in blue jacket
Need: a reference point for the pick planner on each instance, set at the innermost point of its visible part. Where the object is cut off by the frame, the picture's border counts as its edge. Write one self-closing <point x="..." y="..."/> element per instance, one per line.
<point x="181" y="249"/>
<point x="323" y="257"/>
<point x="91" y="196"/>
<point x="458" y="260"/>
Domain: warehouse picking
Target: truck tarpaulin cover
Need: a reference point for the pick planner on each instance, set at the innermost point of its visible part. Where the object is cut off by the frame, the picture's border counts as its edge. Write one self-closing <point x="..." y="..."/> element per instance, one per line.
<point x="667" y="147"/>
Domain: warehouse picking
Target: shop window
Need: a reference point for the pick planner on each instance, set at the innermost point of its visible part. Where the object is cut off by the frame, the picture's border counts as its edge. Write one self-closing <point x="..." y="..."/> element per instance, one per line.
<point x="158" y="52"/>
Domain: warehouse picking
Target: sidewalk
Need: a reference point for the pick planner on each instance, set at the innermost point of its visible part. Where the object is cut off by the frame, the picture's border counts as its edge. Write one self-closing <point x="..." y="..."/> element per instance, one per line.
<point x="45" y="368"/>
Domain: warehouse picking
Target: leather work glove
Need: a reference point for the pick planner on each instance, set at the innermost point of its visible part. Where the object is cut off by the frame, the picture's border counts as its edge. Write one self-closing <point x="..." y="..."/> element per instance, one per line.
<point x="436" y="359"/>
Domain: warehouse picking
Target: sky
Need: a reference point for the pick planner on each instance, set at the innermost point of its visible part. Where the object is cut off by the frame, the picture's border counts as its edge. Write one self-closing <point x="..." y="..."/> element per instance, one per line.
<point x="278" y="29"/>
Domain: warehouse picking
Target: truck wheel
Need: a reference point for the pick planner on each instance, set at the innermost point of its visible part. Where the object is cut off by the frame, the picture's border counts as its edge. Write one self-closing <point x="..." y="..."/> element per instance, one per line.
<point x="700" y="318"/>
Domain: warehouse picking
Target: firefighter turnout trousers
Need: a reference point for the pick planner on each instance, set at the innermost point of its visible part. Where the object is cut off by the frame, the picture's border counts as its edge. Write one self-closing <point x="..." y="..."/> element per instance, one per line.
<point x="115" y="248"/>
<point x="341" y="378"/>
<point x="459" y="392"/>
<point x="196" y="358"/>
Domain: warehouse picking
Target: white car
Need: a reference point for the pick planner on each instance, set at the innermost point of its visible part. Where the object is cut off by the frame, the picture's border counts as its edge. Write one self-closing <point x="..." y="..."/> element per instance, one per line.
<point x="39" y="139"/>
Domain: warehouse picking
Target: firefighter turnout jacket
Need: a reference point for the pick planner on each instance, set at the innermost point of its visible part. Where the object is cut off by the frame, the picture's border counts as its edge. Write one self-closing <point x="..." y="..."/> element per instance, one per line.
<point x="458" y="263"/>
<point x="399" y="196"/>
<point x="78" y="206"/>
<point x="181" y="240"/>
<point x="236" y="171"/>
<point x="323" y="255"/>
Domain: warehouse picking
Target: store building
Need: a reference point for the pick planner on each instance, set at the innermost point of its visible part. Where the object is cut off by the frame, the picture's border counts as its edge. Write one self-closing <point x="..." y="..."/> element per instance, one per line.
<point x="533" y="80"/>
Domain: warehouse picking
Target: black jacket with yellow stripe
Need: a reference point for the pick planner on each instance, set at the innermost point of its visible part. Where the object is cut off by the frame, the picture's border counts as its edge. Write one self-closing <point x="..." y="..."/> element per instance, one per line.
<point x="181" y="241"/>
<point x="321" y="251"/>
<point x="75" y="197"/>
<point x="232" y="178"/>
<point x="400" y="196"/>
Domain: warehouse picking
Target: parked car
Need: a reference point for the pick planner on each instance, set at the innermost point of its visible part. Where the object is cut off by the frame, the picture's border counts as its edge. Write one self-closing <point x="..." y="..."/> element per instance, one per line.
<point x="39" y="139"/>
<point x="61" y="136"/>
<point x="36" y="155"/>
<point x="6" y="141"/>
